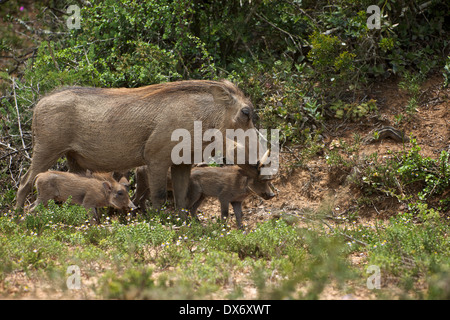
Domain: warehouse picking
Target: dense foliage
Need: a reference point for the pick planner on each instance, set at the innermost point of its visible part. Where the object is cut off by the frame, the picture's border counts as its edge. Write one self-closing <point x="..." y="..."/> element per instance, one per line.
<point x="295" y="59"/>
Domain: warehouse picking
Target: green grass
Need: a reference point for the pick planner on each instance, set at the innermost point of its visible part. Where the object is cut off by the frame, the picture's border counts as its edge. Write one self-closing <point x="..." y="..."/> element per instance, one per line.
<point x="168" y="259"/>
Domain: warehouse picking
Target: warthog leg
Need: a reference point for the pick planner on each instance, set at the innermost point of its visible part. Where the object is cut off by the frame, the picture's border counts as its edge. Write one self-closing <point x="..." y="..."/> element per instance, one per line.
<point x="180" y="183"/>
<point x="237" y="208"/>
<point x="157" y="182"/>
<point x="38" y="164"/>
<point x="194" y="207"/>
<point x="224" y="210"/>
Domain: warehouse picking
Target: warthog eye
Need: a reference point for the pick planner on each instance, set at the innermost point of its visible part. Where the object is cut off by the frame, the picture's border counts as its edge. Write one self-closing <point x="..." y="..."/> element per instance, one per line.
<point x="246" y="111"/>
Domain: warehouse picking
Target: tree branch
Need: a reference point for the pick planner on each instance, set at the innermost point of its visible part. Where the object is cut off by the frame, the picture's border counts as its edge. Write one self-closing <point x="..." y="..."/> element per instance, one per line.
<point x="18" y="120"/>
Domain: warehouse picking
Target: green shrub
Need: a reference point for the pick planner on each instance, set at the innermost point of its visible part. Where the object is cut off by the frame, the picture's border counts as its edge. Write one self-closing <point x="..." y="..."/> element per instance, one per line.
<point x="65" y="215"/>
<point x="133" y="284"/>
<point x="353" y="111"/>
<point x="270" y="239"/>
<point x="29" y="251"/>
<point x="141" y="284"/>
<point x="406" y="248"/>
<point x="411" y="171"/>
<point x="134" y="237"/>
<point x="446" y="72"/>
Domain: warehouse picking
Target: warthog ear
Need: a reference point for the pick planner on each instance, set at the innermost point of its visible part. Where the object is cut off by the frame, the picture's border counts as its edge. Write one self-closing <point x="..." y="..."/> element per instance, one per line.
<point x="124" y="182"/>
<point x="107" y="186"/>
<point x="221" y="94"/>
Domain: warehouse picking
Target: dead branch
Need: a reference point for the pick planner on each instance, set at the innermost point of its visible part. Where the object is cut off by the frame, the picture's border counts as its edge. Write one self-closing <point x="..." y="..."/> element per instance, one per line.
<point x="18" y="121"/>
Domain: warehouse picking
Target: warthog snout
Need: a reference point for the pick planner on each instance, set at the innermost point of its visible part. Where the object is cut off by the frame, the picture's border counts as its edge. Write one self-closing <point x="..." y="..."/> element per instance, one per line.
<point x="119" y="197"/>
<point x="131" y="205"/>
<point x="268" y="196"/>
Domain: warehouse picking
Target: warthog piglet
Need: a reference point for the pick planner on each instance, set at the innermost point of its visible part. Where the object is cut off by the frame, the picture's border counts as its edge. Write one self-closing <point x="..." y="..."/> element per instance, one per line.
<point x="90" y="191"/>
<point x="229" y="184"/>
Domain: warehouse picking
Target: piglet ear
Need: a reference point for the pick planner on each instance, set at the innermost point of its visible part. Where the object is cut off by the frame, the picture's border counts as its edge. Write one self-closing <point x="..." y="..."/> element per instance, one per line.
<point x="124" y="182"/>
<point x="107" y="186"/>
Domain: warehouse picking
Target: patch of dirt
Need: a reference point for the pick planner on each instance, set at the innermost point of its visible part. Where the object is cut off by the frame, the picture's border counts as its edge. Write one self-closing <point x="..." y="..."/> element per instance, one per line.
<point x="429" y="126"/>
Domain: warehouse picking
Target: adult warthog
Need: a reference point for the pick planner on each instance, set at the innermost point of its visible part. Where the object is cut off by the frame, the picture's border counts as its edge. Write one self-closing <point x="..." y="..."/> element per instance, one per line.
<point x="117" y="129"/>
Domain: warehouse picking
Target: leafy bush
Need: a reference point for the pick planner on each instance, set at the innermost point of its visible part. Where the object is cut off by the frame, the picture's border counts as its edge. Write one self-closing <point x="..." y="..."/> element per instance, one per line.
<point x="68" y="215"/>
<point x="409" y="249"/>
<point x="333" y="65"/>
<point x="423" y="176"/>
<point x="295" y="60"/>
<point x="26" y="250"/>
<point x="353" y="111"/>
<point x="133" y="284"/>
<point x="446" y="72"/>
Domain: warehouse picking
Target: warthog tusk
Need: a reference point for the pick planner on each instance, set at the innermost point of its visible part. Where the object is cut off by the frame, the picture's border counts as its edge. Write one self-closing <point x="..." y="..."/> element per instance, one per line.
<point x="264" y="159"/>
